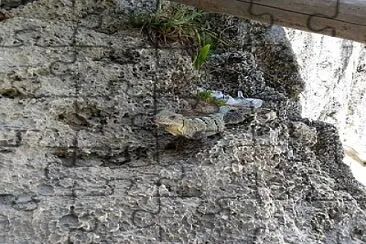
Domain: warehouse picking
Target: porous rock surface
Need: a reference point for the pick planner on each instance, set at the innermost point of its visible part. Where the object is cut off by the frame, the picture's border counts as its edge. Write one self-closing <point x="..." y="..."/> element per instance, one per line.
<point x="82" y="162"/>
<point x="334" y="72"/>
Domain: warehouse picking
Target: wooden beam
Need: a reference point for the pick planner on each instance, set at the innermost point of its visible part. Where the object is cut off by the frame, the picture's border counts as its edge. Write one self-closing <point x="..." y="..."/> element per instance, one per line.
<point x="340" y="18"/>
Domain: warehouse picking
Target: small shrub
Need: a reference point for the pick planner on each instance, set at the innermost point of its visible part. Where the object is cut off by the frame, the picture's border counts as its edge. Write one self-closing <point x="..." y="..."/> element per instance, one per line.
<point x="207" y="97"/>
<point x="181" y="24"/>
<point x="176" y="24"/>
<point x="204" y="95"/>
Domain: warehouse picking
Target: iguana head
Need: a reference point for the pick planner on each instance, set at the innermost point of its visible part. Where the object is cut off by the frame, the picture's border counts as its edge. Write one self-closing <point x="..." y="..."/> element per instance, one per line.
<point x="168" y="118"/>
<point x="172" y="122"/>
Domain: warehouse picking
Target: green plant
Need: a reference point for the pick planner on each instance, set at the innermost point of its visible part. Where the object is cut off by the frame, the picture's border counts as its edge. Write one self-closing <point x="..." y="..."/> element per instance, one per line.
<point x="169" y="25"/>
<point x="219" y="102"/>
<point x="182" y="24"/>
<point x="204" y="95"/>
<point x="207" y="97"/>
<point x="201" y="56"/>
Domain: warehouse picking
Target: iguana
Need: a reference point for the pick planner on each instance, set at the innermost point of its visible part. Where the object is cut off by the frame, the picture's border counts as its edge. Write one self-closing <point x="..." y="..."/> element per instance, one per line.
<point x="204" y="126"/>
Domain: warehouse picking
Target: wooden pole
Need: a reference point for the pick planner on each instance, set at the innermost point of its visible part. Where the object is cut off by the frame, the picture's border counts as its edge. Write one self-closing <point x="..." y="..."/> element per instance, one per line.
<point x="339" y="18"/>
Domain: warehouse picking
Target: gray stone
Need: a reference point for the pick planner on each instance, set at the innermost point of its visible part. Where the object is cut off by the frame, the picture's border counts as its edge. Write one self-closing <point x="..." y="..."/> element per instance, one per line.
<point x="82" y="162"/>
<point x="334" y="72"/>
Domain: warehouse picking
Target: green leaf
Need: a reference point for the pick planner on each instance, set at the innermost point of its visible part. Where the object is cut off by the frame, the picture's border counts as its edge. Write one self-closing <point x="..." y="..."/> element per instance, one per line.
<point x="201" y="56"/>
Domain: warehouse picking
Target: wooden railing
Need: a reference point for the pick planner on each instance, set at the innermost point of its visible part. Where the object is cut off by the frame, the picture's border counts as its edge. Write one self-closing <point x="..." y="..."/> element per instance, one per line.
<point x="339" y="18"/>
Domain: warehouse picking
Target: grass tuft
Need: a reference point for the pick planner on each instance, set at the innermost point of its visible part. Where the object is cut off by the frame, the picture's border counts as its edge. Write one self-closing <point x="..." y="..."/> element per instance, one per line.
<point x="206" y="96"/>
<point x="179" y="24"/>
<point x="175" y="24"/>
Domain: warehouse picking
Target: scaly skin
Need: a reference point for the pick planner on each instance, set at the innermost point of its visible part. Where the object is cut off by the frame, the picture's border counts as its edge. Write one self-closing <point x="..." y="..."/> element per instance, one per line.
<point x="193" y="128"/>
<point x="203" y="126"/>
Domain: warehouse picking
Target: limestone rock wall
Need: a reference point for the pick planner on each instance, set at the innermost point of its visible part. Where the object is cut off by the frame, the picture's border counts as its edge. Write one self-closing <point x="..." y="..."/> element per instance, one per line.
<point x="334" y="72"/>
<point x="82" y="162"/>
